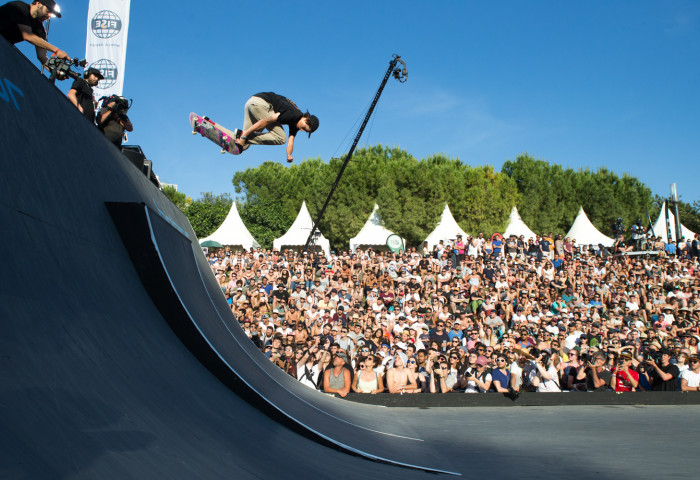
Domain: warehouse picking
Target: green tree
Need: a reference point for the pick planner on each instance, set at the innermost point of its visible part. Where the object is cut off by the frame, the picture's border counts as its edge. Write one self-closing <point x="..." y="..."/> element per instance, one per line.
<point x="180" y="200"/>
<point x="265" y="220"/>
<point x="550" y="195"/>
<point x="208" y="213"/>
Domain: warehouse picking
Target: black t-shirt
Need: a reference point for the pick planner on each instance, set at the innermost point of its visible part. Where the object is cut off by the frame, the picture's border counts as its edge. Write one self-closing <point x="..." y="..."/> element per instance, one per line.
<point x="112" y="129"/>
<point x="281" y="295"/>
<point x="440" y="337"/>
<point x="658" y="384"/>
<point x="602" y="375"/>
<point x="289" y="112"/>
<point x="17" y="13"/>
<point x="86" y="98"/>
<point x="489" y="273"/>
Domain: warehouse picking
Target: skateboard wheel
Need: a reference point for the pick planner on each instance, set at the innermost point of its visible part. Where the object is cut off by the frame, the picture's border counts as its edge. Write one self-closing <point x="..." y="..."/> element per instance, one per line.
<point x="194" y="132"/>
<point x="223" y="151"/>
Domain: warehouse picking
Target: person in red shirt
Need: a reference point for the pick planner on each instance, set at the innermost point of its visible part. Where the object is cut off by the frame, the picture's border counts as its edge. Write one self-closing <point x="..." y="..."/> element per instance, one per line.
<point x="624" y="378"/>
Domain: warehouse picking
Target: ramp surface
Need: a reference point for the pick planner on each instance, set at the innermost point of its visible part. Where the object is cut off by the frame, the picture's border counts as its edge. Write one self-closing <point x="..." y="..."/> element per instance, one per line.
<point x="120" y="359"/>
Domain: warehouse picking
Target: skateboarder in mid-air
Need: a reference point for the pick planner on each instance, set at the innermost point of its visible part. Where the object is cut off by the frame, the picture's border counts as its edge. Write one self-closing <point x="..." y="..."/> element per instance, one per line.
<point x="271" y="111"/>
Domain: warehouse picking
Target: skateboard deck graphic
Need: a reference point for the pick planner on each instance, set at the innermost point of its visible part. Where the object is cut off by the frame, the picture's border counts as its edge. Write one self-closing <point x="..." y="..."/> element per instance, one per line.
<point x="222" y="136"/>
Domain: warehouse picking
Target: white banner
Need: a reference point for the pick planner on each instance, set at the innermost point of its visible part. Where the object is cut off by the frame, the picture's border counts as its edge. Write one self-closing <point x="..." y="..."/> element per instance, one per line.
<point x="108" y="25"/>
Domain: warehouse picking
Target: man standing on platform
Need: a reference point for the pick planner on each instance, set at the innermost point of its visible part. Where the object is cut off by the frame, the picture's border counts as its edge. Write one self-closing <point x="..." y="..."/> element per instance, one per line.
<point x="20" y="21"/>
<point x="81" y="94"/>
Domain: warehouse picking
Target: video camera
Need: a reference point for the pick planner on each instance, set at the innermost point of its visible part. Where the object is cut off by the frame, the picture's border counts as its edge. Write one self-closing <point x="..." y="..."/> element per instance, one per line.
<point x="121" y="104"/>
<point x="60" y="68"/>
<point x="618" y="228"/>
<point x="651" y="356"/>
<point x="637" y="226"/>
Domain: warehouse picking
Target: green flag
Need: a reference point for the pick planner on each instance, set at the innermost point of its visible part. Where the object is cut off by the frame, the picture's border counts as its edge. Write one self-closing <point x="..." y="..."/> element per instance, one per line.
<point x="394" y="242"/>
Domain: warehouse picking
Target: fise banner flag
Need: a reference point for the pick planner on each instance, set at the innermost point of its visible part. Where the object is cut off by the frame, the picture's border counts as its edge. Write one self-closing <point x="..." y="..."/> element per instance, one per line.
<point x="108" y="24"/>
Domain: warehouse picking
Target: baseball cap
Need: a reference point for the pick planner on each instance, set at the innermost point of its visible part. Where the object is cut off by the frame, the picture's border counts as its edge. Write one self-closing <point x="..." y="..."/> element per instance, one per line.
<point x="52" y="6"/>
<point x="482" y="360"/>
<point x="95" y="71"/>
<point x="313" y="123"/>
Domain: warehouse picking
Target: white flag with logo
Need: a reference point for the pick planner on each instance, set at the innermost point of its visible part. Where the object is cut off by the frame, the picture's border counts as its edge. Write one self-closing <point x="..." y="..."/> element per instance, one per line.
<point x="108" y="25"/>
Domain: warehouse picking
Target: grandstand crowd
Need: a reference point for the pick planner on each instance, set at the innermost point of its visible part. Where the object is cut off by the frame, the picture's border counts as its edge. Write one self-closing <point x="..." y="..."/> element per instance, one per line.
<point x="476" y="315"/>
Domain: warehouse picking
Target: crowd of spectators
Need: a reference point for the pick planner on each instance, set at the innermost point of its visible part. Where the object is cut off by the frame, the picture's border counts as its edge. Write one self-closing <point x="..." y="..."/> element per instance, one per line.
<point x="478" y="315"/>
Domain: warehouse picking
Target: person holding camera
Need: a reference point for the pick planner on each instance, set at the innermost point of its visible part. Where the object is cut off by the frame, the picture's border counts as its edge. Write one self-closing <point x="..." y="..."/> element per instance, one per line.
<point x="545" y="377"/>
<point x="521" y="370"/>
<point x="81" y="94"/>
<point x="112" y="119"/>
<point x="20" y="21"/>
<point x="624" y="378"/>
<point x="594" y="372"/>
<point x="663" y="375"/>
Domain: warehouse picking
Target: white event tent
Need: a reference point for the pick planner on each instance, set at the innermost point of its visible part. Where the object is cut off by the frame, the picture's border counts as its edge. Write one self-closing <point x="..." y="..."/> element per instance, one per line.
<point x="585" y="232"/>
<point x="517" y="227"/>
<point x="373" y="233"/>
<point x="660" y="226"/>
<point x="233" y="232"/>
<point x="299" y="232"/>
<point x="446" y="230"/>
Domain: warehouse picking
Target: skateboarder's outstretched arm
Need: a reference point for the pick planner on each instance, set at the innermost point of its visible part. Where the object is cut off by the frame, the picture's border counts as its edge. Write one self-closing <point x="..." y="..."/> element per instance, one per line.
<point x="290" y="148"/>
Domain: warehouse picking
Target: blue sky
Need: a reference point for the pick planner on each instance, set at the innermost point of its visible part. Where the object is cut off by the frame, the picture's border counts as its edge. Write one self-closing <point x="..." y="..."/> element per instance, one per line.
<point x="581" y="84"/>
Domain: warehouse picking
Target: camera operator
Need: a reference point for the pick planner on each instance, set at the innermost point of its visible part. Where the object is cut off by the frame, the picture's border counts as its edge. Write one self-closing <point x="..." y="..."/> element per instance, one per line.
<point x="20" y="21"/>
<point x="112" y="119"/>
<point x="624" y="379"/>
<point x="638" y="234"/>
<point x="596" y="375"/>
<point x="545" y="377"/>
<point x="81" y="94"/>
<point x="663" y="375"/>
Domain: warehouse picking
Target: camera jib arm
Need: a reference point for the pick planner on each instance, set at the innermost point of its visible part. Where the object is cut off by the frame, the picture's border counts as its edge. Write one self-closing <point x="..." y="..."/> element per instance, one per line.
<point x="400" y="74"/>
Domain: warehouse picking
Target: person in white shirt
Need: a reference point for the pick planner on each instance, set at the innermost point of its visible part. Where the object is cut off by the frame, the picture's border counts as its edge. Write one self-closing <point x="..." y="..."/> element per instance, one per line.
<point x="545" y="377"/>
<point x="690" y="378"/>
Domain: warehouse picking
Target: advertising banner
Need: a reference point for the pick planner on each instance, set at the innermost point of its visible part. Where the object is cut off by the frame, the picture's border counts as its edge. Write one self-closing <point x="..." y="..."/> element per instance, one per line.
<point x="395" y="243"/>
<point x="108" y="25"/>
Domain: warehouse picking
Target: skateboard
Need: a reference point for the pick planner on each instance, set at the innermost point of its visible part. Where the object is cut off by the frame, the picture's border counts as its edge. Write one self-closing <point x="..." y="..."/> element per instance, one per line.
<point x="222" y="136"/>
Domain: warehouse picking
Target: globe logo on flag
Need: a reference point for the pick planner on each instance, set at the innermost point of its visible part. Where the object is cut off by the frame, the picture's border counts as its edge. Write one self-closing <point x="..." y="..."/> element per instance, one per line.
<point x="106" y="24"/>
<point x="395" y="243"/>
<point x="108" y="69"/>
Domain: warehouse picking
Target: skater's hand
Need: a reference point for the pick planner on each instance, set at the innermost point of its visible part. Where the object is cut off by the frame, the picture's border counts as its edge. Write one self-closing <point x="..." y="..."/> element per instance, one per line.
<point x="290" y="159"/>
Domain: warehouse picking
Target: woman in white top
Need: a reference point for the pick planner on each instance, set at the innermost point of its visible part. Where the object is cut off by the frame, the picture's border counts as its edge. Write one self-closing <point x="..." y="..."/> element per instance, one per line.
<point x="546" y="374"/>
<point x="366" y="379"/>
<point x="479" y="381"/>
